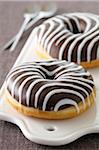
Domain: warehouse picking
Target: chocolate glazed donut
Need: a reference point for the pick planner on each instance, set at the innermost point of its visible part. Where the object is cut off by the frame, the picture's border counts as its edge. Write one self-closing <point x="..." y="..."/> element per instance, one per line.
<point x="73" y="37"/>
<point x="50" y="89"/>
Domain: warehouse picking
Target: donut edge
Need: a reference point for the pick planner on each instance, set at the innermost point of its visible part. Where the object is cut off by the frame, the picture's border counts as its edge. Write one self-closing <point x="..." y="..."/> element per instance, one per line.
<point x="51" y="115"/>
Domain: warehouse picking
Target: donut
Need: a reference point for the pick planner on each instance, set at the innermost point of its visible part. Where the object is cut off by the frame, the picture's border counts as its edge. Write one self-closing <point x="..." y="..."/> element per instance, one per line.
<point x="72" y="36"/>
<point x="55" y="89"/>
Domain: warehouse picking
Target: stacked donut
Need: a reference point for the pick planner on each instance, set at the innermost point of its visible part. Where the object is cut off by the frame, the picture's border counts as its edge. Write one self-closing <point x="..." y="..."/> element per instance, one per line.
<point x="73" y="37"/>
<point x="58" y="88"/>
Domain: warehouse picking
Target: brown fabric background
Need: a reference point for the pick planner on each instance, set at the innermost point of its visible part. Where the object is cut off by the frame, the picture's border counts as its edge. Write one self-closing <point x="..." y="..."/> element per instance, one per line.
<point x="11" y="17"/>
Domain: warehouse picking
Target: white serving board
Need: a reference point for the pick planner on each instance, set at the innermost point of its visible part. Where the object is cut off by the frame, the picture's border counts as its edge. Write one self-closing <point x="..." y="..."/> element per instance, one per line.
<point x="37" y="130"/>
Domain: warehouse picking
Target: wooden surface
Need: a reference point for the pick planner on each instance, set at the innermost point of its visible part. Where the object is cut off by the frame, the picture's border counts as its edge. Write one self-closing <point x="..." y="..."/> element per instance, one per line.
<point x="11" y="17"/>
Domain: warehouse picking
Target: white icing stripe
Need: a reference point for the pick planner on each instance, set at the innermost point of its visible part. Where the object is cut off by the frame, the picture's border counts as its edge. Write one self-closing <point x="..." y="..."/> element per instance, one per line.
<point x="79" y="82"/>
<point x="39" y="65"/>
<point x="62" y="67"/>
<point x="55" y="38"/>
<point x="66" y="20"/>
<point x="61" y="51"/>
<point x="76" y="78"/>
<point x="67" y="70"/>
<point x="88" y="24"/>
<point x="42" y="29"/>
<point x="62" y="38"/>
<point x="48" y="63"/>
<point x="22" y="69"/>
<point x="56" y="84"/>
<point x="21" y="87"/>
<point x="74" y="74"/>
<point x="90" y="47"/>
<point x="30" y="89"/>
<point x="51" y="26"/>
<point x="17" y="80"/>
<point x="46" y="99"/>
<point x="82" y="44"/>
<point x="48" y="39"/>
<point x="77" y="23"/>
<point x="11" y="76"/>
<point x="32" y="67"/>
<point x="84" y="18"/>
<point x="14" y="73"/>
<point x="64" y="102"/>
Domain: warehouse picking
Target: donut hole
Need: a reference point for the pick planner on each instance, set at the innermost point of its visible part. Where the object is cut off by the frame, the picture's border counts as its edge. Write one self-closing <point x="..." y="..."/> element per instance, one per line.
<point x="50" y="77"/>
<point x="82" y="26"/>
<point x="76" y="28"/>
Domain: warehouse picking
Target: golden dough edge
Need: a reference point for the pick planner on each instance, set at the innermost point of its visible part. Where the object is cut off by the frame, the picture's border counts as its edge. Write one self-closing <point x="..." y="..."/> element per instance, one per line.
<point x="62" y="114"/>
